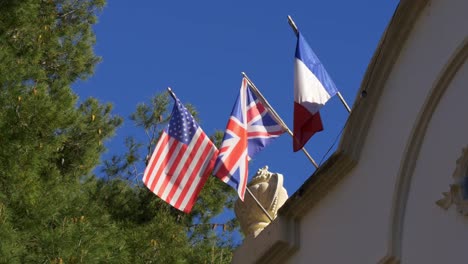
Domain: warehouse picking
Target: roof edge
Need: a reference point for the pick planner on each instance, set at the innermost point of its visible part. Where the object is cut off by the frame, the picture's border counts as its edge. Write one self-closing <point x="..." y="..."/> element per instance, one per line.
<point x="347" y="156"/>
<point x="352" y="142"/>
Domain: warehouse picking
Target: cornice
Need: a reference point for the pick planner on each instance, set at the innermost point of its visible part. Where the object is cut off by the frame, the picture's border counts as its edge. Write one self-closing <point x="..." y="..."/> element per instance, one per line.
<point x="352" y="142"/>
<point x="414" y="144"/>
<point x="273" y="245"/>
<point x="318" y="185"/>
<point x="376" y="76"/>
<point x="286" y="228"/>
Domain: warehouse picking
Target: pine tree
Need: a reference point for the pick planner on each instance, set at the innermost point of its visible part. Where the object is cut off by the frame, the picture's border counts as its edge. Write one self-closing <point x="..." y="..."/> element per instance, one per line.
<point x="53" y="208"/>
<point x="50" y="142"/>
<point x="195" y="237"/>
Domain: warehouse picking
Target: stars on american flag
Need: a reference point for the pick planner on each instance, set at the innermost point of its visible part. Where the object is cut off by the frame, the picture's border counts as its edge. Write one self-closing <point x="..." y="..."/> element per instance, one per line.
<point x="182" y="126"/>
<point x="182" y="160"/>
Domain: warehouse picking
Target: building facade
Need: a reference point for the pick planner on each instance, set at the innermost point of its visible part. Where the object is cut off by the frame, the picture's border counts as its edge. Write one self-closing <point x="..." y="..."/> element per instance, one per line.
<point x="396" y="189"/>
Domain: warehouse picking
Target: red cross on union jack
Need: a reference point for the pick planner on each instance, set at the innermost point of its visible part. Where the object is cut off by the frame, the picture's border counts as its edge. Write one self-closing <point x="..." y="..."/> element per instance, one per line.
<point x="250" y="128"/>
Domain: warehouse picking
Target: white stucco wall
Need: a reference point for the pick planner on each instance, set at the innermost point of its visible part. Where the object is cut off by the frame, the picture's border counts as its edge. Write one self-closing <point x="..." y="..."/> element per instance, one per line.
<point x="431" y="234"/>
<point x="352" y="223"/>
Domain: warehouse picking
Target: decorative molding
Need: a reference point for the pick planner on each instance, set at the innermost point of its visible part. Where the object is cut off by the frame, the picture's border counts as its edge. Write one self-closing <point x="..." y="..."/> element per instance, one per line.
<point x="413" y="147"/>
<point x="318" y="185"/>
<point x="275" y="244"/>
<point x="389" y="260"/>
<point x="458" y="193"/>
<point x="375" y="78"/>
<point x="281" y="238"/>
<point x="348" y="153"/>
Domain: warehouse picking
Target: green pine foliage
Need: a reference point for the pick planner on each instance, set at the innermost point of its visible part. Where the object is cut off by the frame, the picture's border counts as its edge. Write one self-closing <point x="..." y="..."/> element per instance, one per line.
<point x="195" y="237"/>
<point x="53" y="208"/>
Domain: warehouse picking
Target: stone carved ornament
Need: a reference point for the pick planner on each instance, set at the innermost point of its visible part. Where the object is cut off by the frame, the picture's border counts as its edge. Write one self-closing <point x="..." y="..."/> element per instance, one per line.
<point x="458" y="193"/>
<point x="268" y="188"/>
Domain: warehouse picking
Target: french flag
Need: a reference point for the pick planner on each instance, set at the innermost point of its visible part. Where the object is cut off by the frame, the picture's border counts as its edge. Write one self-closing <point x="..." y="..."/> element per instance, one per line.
<point x="313" y="87"/>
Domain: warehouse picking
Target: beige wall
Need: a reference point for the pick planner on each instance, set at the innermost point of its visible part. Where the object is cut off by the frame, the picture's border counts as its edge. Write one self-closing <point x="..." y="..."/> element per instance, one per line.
<point x="431" y="234"/>
<point x="354" y="223"/>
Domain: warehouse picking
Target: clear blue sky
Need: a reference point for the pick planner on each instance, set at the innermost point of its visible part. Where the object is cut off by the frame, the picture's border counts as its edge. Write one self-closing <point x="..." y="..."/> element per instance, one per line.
<point x="200" y="48"/>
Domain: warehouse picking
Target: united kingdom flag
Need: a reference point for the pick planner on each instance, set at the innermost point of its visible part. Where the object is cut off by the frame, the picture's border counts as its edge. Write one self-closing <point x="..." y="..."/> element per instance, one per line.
<point x="250" y="128"/>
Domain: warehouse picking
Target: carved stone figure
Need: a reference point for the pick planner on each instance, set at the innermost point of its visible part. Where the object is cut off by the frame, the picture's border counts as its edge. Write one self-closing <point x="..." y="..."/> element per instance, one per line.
<point x="458" y="193"/>
<point x="268" y="188"/>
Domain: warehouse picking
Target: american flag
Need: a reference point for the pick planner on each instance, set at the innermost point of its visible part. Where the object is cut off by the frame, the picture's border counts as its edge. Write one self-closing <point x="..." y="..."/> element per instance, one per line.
<point x="181" y="162"/>
<point x="250" y="128"/>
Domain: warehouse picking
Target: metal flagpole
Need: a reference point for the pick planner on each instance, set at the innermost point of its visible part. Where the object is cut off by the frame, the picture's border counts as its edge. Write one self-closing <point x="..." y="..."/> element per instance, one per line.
<point x="296" y="31"/>
<point x="276" y="116"/>
<point x="259" y="205"/>
<point x="169" y="90"/>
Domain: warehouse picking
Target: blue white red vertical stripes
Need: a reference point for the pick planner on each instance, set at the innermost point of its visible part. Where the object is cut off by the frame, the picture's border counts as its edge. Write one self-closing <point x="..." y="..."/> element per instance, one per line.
<point x="250" y="128"/>
<point x="181" y="162"/>
<point x="313" y="87"/>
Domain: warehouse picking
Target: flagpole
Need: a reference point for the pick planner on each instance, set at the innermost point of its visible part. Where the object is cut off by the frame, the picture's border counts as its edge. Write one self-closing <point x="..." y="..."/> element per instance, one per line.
<point x="259" y="204"/>
<point x="169" y="90"/>
<point x="296" y="31"/>
<point x="276" y="116"/>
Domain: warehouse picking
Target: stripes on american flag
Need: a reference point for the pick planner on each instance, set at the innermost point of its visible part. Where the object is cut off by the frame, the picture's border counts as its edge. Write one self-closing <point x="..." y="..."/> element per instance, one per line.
<point x="181" y="162"/>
